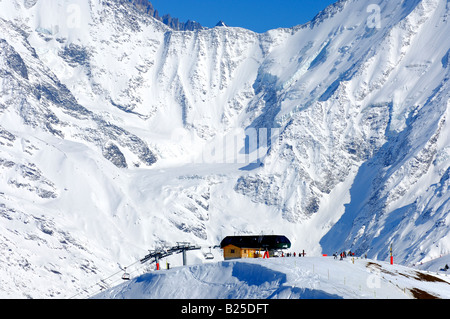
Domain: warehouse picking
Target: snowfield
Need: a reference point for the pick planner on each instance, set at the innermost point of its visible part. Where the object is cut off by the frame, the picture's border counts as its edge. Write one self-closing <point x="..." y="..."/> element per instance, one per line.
<point x="286" y="278"/>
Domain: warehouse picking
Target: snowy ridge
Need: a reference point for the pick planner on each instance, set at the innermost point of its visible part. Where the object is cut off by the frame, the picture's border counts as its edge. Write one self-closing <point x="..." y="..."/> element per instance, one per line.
<point x="112" y="130"/>
<point x="174" y="23"/>
<point x="286" y="278"/>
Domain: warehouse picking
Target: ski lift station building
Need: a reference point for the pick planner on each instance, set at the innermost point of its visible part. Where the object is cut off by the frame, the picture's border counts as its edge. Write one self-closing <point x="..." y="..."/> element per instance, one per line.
<point x="253" y="246"/>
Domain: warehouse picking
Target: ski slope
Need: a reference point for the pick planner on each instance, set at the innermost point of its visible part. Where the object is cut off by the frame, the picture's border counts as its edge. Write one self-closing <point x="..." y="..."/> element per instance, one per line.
<point x="286" y="278"/>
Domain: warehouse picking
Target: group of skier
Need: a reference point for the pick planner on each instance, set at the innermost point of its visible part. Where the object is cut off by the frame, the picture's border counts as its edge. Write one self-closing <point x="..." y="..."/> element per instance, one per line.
<point x="293" y="254"/>
<point x="343" y="254"/>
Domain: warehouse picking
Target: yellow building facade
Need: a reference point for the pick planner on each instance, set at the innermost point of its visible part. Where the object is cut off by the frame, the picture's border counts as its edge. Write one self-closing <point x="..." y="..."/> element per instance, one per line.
<point x="252" y="246"/>
<point x="232" y="252"/>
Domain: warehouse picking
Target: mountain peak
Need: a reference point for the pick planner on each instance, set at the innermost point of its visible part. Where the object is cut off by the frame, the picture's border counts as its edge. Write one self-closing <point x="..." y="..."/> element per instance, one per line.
<point x="221" y="24"/>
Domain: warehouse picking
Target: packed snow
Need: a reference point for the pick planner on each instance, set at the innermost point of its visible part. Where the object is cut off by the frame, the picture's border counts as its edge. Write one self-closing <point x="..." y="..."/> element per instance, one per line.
<point x="286" y="278"/>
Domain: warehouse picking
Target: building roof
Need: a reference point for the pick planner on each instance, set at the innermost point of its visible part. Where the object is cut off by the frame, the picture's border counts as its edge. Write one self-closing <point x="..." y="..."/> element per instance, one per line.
<point x="257" y="241"/>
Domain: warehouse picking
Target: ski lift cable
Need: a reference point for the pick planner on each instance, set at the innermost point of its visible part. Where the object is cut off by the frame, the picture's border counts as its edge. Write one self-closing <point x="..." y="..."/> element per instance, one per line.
<point x="167" y="252"/>
<point x="103" y="280"/>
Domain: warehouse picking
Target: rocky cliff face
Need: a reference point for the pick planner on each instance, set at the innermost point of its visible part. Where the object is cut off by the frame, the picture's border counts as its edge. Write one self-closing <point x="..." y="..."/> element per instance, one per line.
<point x="118" y="134"/>
<point x="167" y="19"/>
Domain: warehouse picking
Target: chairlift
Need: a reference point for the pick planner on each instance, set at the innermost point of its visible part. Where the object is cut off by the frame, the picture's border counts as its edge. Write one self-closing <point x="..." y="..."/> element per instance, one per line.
<point x="126" y="276"/>
<point x="208" y="255"/>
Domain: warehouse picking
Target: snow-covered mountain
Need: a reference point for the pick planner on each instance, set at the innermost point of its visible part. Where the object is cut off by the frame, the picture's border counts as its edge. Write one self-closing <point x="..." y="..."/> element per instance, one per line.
<point x="119" y="134"/>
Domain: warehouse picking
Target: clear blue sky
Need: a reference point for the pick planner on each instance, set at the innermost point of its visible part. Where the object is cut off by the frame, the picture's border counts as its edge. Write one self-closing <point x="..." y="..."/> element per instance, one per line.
<point x="256" y="15"/>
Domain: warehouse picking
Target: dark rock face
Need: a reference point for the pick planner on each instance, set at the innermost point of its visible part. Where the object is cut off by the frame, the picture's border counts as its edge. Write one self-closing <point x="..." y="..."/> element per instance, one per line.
<point x="173" y="23"/>
<point x="112" y="153"/>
